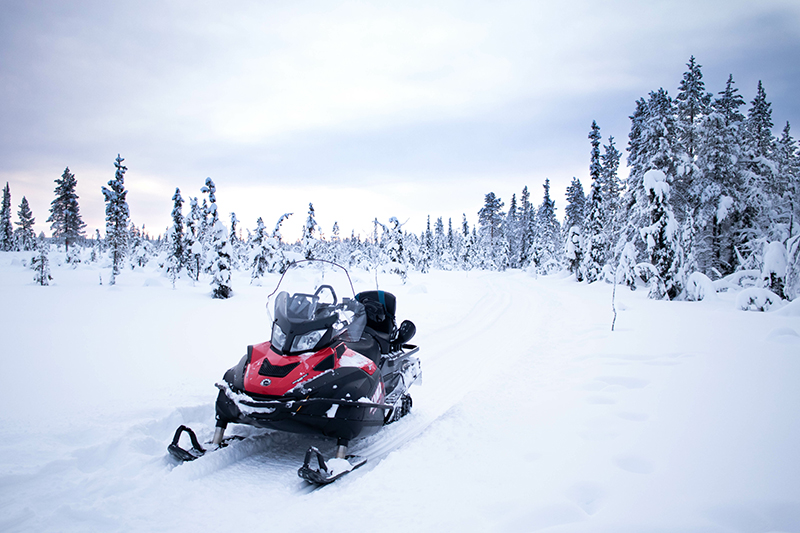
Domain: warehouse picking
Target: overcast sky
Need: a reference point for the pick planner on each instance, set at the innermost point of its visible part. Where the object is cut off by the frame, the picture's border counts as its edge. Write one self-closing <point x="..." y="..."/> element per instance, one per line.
<point x="366" y="109"/>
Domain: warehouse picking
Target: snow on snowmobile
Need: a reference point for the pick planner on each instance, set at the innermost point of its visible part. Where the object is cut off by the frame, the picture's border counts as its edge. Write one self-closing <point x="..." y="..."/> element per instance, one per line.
<point x="336" y="368"/>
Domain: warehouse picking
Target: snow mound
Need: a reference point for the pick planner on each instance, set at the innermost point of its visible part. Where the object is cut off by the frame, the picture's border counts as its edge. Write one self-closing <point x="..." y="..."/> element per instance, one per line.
<point x="784" y="336"/>
<point x="418" y="289"/>
<point x="792" y="309"/>
<point x="153" y="282"/>
<point x="700" y="287"/>
<point x="755" y="299"/>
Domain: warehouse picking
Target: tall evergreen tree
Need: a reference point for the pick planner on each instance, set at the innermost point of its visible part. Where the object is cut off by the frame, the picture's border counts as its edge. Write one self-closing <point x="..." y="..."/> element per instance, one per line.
<point x="490" y="219"/>
<point x="26" y="236"/>
<point x="221" y="265"/>
<point x="526" y="222"/>
<point x="65" y="213"/>
<point x="117" y="218"/>
<point x="660" y="235"/>
<point x="308" y="241"/>
<point x="789" y="186"/>
<point x="40" y="264"/>
<point x="612" y="186"/>
<point x="693" y="103"/>
<point x="576" y="202"/>
<point x="548" y="235"/>
<point x="6" y="229"/>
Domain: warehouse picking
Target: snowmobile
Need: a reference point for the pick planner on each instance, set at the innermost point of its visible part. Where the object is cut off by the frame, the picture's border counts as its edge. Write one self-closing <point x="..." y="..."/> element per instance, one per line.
<point x="336" y="368"/>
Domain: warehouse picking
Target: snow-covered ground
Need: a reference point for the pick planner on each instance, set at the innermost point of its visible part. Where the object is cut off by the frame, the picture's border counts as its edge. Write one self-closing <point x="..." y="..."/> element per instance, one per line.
<point x="532" y="414"/>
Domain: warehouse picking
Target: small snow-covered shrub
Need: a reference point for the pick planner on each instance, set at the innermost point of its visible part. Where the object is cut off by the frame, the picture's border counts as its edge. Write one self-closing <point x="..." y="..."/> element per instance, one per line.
<point x="648" y="273"/>
<point x="738" y="280"/>
<point x="755" y="299"/>
<point x="700" y="287"/>
<point x="773" y="273"/>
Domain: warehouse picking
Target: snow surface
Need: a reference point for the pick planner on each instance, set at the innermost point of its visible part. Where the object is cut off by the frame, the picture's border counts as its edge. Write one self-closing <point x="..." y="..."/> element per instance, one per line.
<point x="533" y="415"/>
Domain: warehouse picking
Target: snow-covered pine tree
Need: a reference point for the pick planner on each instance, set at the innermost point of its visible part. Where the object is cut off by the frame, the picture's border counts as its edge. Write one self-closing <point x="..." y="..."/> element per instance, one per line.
<point x="576" y="201"/>
<point x="788" y="206"/>
<point x="177" y="240"/>
<point x="612" y="188"/>
<point x="490" y="219"/>
<point x="548" y="236"/>
<point x="396" y="250"/>
<point x="594" y="228"/>
<point x="718" y="186"/>
<point x="261" y="252"/>
<point x="192" y="243"/>
<point x="762" y="185"/>
<point x="652" y="145"/>
<point x="660" y="235"/>
<point x="221" y="265"/>
<point x="574" y="252"/>
<point x="26" y="236"/>
<point x="511" y="234"/>
<point x="693" y="104"/>
<point x="308" y="242"/>
<point x="6" y="229"/>
<point x="211" y="208"/>
<point x="468" y="247"/>
<point x="117" y="217"/>
<point x="527" y="223"/>
<point x="573" y="224"/>
<point x="65" y="214"/>
<point x="40" y="264"/>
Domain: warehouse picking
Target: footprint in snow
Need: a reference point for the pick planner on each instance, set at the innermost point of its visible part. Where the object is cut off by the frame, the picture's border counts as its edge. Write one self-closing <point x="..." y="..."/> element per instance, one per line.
<point x="634" y="464"/>
<point x="633" y="417"/>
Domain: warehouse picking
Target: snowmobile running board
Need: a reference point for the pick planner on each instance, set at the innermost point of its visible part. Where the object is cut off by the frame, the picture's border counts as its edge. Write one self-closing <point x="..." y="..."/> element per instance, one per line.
<point x="329" y="471"/>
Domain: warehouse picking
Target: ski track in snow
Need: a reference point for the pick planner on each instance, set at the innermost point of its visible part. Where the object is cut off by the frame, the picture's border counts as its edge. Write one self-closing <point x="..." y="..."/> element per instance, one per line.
<point x="531" y="415"/>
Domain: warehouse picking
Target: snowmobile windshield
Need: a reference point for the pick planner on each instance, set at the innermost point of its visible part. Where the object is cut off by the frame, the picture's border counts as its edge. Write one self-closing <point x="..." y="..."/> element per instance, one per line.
<point x="303" y="323"/>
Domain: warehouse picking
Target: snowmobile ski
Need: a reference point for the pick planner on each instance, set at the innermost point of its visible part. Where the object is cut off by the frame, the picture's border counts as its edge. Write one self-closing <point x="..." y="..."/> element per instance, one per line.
<point x="328" y="471"/>
<point x="196" y="451"/>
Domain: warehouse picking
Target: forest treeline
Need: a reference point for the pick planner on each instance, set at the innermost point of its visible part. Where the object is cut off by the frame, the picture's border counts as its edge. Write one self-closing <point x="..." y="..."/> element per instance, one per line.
<point x="711" y="192"/>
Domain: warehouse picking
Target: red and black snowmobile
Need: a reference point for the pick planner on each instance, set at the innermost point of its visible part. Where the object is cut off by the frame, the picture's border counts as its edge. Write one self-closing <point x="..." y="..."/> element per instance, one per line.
<point x="337" y="368"/>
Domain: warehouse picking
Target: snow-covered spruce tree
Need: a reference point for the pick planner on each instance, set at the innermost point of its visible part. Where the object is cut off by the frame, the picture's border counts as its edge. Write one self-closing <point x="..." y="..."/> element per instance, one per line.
<point x="788" y="204"/>
<point x="576" y="201"/>
<point x="192" y="244"/>
<point x="774" y="269"/>
<point x="652" y="145"/>
<point x="762" y="184"/>
<point x="626" y="268"/>
<point x="26" y="236"/>
<point x="490" y="219"/>
<point x="396" y="250"/>
<point x="40" y="264"/>
<point x="176" y="253"/>
<point x="117" y="217"/>
<point x="261" y="257"/>
<point x="308" y="242"/>
<point x="548" y="236"/>
<point x="237" y="245"/>
<point x="221" y="265"/>
<point x="573" y="252"/>
<point x="792" y="289"/>
<point x="281" y="262"/>
<point x="6" y="229"/>
<point x="660" y="235"/>
<point x="612" y="188"/>
<point x="719" y="185"/>
<point x="526" y="222"/>
<point x="468" y="246"/>
<point x="138" y="246"/>
<point x="594" y="228"/>
<point x="511" y="234"/>
<point x="693" y="104"/>
<point x="65" y="214"/>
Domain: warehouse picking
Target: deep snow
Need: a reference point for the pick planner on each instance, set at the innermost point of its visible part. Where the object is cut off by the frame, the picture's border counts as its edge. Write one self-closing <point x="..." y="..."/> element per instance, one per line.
<point x="532" y="415"/>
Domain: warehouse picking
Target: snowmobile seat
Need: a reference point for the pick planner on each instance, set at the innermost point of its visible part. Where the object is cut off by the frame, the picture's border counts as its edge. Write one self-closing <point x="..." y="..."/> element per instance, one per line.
<point x="381" y="325"/>
<point x="380" y="307"/>
<point x="367" y="346"/>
